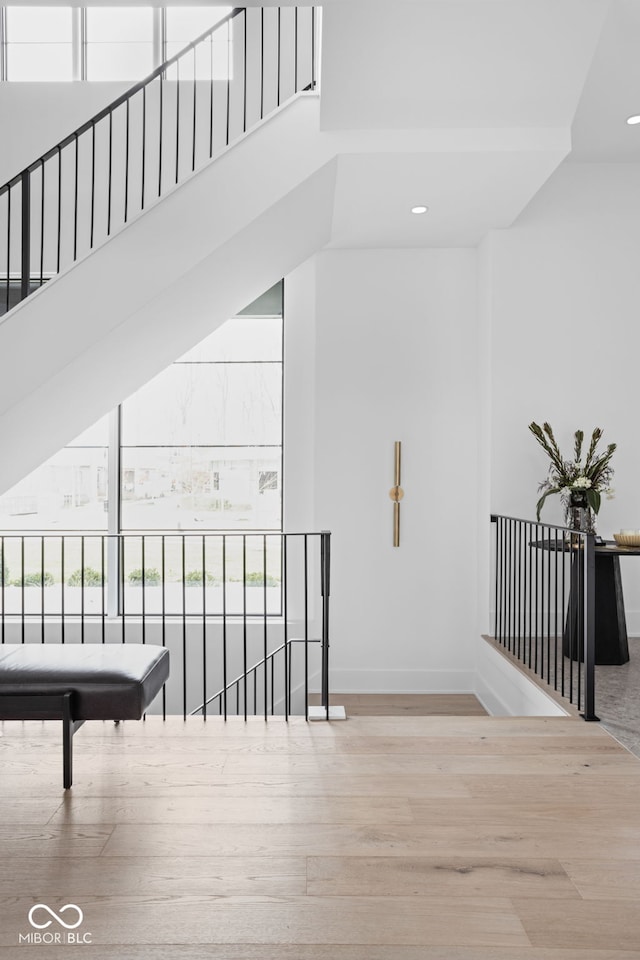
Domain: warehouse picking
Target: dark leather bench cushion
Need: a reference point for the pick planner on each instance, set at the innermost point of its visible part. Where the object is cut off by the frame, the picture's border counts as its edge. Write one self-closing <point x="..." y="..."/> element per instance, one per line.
<point x="108" y="682"/>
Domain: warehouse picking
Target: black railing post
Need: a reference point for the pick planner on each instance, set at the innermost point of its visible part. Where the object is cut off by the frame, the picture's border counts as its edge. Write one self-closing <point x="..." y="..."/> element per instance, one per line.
<point x="589" y="627"/>
<point x="546" y="623"/>
<point x="25" y="258"/>
<point x="494" y="520"/>
<point x="325" y="566"/>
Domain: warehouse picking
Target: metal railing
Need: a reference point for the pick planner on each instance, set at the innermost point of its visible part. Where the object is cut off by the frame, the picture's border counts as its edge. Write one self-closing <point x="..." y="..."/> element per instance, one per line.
<point x="543" y="604"/>
<point x="148" y="140"/>
<point x="245" y="615"/>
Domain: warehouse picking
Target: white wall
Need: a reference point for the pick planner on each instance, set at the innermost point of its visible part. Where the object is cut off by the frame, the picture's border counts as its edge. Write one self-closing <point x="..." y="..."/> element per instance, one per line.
<point x="35" y="116"/>
<point x="565" y="289"/>
<point x="396" y="360"/>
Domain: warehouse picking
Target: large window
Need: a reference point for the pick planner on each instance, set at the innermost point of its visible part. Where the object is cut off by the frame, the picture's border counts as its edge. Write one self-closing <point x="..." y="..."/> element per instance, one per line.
<point x="199" y="446"/>
<point x="68" y="492"/>
<point x="100" y="43"/>
<point x="198" y="439"/>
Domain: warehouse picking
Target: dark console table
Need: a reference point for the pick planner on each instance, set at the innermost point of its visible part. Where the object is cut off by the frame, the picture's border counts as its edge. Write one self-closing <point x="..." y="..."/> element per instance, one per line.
<point x="612" y="646"/>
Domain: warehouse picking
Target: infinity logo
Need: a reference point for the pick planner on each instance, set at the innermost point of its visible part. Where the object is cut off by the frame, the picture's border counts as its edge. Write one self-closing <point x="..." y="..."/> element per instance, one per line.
<point x="47" y="923"/>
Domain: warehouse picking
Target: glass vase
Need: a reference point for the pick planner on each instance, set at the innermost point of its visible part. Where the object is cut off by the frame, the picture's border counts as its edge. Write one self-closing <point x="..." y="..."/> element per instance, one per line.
<point x="579" y="515"/>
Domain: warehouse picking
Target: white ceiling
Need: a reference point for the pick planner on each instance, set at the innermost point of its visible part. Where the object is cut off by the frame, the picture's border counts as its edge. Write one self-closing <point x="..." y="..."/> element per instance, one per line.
<point x="611" y="92"/>
<point x="466" y="64"/>
<point x="470" y="69"/>
<point x="468" y="193"/>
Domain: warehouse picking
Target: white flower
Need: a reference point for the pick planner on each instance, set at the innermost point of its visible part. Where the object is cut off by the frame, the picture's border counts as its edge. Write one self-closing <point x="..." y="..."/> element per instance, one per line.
<point x="581" y="483"/>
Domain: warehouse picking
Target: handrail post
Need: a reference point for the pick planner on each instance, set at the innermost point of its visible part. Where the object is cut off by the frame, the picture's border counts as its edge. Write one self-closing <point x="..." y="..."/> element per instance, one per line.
<point x="589" y="626"/>
<point x="25" y="258"/>
<point x="325" y="571"/>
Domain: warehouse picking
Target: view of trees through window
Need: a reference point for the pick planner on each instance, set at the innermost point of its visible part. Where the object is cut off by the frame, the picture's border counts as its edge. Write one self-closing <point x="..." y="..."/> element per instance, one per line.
<point x="200" y="447"/>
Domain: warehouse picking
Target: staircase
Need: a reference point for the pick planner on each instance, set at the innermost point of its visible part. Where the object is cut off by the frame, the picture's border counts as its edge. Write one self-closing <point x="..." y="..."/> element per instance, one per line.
<point x="135" y="236"/>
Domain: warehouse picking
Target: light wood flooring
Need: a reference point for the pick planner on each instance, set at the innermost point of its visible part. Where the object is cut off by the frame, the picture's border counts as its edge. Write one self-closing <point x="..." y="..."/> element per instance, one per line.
<point x="406" y="704"/>
<point x="375" y="838"/>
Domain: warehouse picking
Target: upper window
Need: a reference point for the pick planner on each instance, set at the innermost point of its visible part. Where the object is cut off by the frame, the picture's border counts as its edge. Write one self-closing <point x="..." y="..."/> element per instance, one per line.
<point x="109" y="43"/>
<point x="119" y="43"/>
<point x="39" y="43"/>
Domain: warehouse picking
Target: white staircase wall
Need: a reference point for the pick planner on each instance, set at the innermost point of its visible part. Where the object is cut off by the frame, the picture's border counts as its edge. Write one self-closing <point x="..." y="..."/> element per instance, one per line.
<point x="108" y="324"/>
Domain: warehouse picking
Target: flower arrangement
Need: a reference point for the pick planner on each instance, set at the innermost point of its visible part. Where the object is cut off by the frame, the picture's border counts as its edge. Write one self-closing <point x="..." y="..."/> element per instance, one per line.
<point x="578" y="483"/>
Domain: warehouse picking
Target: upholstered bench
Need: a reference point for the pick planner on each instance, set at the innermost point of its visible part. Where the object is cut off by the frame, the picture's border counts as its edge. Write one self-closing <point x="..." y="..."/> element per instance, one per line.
<point x="78" y="682"/>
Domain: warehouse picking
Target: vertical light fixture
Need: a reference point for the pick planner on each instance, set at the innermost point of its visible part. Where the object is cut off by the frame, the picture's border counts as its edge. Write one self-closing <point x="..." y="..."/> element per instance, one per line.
<point x="396" y="493"/>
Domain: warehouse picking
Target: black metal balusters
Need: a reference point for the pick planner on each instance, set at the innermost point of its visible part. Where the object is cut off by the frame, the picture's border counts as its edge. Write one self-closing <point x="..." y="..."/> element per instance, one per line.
<point x="535" y="620"/>
<point x="234" y="609"/>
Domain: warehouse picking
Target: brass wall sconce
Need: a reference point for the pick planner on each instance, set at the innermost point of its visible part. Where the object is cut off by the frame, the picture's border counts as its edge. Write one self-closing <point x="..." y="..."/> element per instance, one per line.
<point x="396" y="493"/>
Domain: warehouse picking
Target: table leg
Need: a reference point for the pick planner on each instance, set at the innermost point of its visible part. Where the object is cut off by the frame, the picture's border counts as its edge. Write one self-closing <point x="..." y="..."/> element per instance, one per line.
<point x="610" y="624"/>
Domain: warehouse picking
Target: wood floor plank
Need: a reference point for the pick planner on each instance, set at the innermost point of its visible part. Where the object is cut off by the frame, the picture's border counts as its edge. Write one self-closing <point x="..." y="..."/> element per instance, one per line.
<point x="203" y="783"/>
<point x="108" y="762"/>
<point x="219" y="748"/>
<point x="610" y="764"/>
<point x="235" y="810"/>
<point x="326" y="920"/>
<point x="540" y="809"/>
<point x="30" y="809"/>
<point x="353" y="746"/>
<point x="40" y="842"/>
<point x="594" y="924"/>
<point x="438" y="876"/>
<point x="339" y="951"/>
<point x="609" y="880"/>
<point x="520" y="790"/>
<point x="528" y="839"/>
<point x="409" y="705"/>
<point x="81" y="877"/>
<point x="482" y="745"/>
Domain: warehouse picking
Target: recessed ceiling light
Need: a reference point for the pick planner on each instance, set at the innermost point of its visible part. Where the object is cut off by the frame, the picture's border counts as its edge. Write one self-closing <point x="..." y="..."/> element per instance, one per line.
<point x="419" y="209"/>
<point x="635" y="119"/>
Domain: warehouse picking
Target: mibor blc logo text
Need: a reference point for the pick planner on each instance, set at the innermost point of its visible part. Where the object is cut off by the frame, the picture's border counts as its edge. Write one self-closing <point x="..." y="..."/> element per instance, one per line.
<point x="51" y="927"/>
